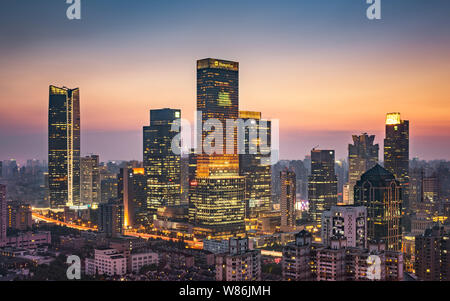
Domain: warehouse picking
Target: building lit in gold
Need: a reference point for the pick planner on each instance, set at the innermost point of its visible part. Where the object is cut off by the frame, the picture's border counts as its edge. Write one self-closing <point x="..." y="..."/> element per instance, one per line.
<point x="216" y="196"/>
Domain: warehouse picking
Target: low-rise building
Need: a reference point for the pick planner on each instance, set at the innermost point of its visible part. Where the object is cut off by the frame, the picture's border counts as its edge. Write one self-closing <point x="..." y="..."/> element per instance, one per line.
<point x="139" y="260"/>
<point x="29" y="240"/>
<point x="110" y="262"/>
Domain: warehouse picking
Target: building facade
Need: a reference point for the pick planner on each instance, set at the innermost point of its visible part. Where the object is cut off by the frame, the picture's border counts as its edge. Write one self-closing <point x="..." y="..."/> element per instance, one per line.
<point x="111" y="218"/>
<point x="239" y="263"/>
<point x="349" y="221"/>
<point x="432" y="250"/>
<point x="110" y="262"/>
<point x="296" y="263"/>
<point x="19" y="216"/>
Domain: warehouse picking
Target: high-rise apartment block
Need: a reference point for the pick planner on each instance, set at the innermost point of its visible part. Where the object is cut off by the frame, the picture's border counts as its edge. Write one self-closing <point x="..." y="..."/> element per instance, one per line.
<point x="239" y="263"/>
<point x="304" y="260"/>
<point x="432" y="258"/>
<point x="297" y="262"/>
<point x="348" y="221"/>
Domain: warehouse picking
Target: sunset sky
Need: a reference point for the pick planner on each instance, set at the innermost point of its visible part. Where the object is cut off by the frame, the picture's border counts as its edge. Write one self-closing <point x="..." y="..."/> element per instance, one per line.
<point x="319" y="66"/>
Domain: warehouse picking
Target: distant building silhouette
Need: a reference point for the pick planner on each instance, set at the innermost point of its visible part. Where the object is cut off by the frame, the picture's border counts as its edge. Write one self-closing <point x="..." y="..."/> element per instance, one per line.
<point x="322" y="184"/>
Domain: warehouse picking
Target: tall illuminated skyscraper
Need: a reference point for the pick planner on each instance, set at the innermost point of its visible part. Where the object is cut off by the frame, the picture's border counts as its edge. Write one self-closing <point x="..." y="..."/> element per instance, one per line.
<point x="322" y="184"/>
<point x="162" y="166"/>
<point x="396" y="152"/>
<point x="64" y="147"/>
<point x="217" y="193"/>
<point x="380" y="193"/>
<point x="252" y="166"/>
<point x="362" y="156"/>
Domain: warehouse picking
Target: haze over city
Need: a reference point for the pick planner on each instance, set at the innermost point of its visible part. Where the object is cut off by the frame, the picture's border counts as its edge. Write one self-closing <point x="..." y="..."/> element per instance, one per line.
<point x="323" y="70"/>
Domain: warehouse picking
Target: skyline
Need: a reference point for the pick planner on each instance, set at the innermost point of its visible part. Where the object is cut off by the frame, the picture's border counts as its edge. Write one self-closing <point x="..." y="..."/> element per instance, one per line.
<point x="303" y="54"/>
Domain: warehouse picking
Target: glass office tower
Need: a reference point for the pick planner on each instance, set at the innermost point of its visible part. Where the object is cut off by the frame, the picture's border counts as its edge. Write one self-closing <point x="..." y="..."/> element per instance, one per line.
<point x="64" y="147"/>
<point x="162" y="166"/>
<point x="217" y="193"/>
<point x="253" y="166"/>
<point x="380" y="192"/>
<point x="396" y="151"/>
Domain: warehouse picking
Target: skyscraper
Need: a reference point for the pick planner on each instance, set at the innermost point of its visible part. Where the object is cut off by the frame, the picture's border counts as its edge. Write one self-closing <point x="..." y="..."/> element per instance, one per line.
<point x="64" y="147"/>
<point x="362" y="156"/>
<point x="252" y="166"/>
<point x="380" y="192"/>
<point x="396" y="152"/>
<point x="3" y="214"/>
<point x="216" y="198"/>
<point x="132" y="193"/>
<point x="322" y="185"/>
<point x="162" y="166"/>
<point x="287" y="200"/>
<point x="90" y="180"/>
